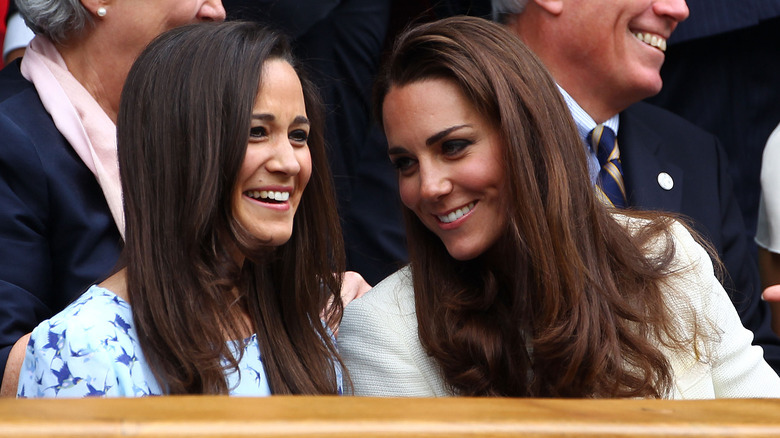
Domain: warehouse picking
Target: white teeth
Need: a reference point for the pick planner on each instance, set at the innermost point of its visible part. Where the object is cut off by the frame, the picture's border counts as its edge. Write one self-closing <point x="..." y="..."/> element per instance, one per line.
<point x="652" y="40"/>
<point x="457" y="214"/>
<point x="267" y="194"/>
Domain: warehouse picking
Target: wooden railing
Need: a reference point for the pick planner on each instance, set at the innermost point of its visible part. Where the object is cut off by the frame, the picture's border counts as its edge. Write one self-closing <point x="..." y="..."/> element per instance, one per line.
<point x="367" y="417"/>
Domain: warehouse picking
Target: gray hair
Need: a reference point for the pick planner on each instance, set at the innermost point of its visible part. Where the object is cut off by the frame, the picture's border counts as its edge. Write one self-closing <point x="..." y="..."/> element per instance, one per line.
<point x="502" y="9"/>
<point x="56" y="19"/>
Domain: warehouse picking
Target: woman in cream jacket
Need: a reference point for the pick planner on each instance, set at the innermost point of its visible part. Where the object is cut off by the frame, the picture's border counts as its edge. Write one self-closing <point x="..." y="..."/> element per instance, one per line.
<point x="522" y="281"/>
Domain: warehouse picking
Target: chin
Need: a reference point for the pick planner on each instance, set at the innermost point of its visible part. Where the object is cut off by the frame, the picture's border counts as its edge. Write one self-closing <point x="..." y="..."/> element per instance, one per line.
<point x="273" y="239"/>
<point x="280" y="240"/>
<point x="463" y="255"/>
<point x="650" y="86"/>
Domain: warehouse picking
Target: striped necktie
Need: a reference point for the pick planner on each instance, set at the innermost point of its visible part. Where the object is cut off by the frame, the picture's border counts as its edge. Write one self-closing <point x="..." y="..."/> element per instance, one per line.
<point x="609" y="184"/>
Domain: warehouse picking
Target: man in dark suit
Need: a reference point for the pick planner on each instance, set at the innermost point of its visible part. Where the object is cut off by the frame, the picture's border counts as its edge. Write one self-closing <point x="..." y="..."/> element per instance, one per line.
<point x="606" y="57"/>
<point x="721" y="73"/>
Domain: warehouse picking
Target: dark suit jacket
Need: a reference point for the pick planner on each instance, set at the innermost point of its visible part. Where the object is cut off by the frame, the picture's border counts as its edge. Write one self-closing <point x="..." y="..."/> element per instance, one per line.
<point x="652" y="141"/>
<point x="721" y="74"/>
<point x="57" y="235"/>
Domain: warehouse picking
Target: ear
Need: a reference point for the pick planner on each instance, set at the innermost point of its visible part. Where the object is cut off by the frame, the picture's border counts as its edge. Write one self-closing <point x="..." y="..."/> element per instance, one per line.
<point x="554" y="7"/>
<point x="93" y="5"/>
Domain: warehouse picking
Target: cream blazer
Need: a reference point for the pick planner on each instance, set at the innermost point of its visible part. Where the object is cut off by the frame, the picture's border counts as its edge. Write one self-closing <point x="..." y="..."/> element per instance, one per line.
<point x="379" y="343"/>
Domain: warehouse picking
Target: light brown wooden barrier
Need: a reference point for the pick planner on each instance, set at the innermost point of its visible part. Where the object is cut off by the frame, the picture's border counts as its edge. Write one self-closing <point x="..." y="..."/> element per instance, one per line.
<point x="366" y="417"/>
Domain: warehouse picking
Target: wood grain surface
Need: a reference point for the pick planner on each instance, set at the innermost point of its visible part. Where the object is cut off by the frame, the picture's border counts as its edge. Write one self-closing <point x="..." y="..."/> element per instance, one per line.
<point x="288" y="416"/>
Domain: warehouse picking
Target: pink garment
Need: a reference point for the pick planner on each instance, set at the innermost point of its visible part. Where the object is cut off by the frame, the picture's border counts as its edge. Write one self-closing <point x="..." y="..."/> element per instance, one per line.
<point x="78" y="117"/>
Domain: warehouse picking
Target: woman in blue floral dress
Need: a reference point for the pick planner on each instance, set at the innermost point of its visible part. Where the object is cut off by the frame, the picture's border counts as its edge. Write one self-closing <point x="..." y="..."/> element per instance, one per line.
<point x="228" y="261"/>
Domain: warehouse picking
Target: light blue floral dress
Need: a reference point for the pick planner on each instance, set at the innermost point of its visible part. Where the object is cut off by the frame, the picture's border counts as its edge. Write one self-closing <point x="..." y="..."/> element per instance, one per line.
<point x="91" y="349"/>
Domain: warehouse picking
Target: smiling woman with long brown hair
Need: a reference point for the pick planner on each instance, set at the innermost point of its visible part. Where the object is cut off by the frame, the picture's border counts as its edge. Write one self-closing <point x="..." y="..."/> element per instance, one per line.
<point x="521" y="282"/>
<point x="232" y="235"/>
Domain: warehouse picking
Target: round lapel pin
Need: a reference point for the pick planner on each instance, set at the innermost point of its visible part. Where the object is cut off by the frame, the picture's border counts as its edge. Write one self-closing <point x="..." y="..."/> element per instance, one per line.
<point x="665" y="181"/>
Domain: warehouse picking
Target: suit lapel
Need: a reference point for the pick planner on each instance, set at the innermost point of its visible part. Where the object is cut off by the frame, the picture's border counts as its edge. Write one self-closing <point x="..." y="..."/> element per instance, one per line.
<point x="642" y="156"/>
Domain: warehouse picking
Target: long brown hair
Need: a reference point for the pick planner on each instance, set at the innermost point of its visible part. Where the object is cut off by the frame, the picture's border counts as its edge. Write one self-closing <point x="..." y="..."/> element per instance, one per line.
<point x="183" y="129"/>
<point x="572" y="307"/>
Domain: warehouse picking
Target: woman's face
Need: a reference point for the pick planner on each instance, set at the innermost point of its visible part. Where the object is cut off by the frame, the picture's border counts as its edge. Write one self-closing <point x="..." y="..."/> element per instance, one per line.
<point x="449" y="163"/>
<point x="135" y="23"/>
<point x="277" y="165"/>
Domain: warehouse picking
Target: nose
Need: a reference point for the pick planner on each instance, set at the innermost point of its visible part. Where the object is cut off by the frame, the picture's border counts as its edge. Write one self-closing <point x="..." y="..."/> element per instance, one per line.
<point x="212" y="10"/>
<point x="284" y="159"/>
<point x="434" y="183"/>
<point x="675" y="9"/>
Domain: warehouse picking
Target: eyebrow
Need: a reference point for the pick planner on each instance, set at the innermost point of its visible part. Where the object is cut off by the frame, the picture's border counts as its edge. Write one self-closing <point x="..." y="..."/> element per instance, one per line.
<point x="441" y="134"/>
<point x="430" y="140"/>
<point x="299" y="120"/>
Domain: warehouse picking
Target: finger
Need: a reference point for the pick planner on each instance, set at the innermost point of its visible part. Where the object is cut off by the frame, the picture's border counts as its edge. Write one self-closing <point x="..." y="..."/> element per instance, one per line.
<point x="772" y="293"/>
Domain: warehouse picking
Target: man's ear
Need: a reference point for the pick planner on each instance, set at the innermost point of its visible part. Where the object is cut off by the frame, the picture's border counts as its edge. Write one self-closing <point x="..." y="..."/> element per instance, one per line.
<point x="554" y="7"/>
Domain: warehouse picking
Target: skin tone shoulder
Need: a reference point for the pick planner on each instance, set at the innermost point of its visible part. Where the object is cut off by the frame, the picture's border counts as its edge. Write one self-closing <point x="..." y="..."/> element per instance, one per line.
<point x="449" y="164"/>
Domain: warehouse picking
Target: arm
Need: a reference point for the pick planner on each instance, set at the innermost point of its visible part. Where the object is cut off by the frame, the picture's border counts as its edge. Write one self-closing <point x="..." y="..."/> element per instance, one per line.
<point x="738" y="368"/>
<point x="13" y="367"/>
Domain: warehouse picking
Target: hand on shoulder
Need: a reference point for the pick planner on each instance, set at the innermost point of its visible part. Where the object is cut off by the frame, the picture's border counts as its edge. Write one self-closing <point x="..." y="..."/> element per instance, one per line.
<point x="353" y="286"/>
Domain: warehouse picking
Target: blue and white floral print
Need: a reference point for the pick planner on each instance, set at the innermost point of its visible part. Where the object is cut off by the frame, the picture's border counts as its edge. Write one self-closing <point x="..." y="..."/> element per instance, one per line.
<point x="91" y="349"/>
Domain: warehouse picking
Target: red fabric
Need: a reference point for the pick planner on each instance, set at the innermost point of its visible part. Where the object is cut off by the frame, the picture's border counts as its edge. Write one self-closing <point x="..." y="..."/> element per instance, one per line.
<point x="3" y="12"/>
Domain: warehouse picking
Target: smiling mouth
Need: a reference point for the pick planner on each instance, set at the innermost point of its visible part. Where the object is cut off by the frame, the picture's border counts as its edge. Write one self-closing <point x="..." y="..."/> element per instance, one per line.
<point x="651" y="40"/>
<point x="268" y="196"/>
<point x="455" y="215"/>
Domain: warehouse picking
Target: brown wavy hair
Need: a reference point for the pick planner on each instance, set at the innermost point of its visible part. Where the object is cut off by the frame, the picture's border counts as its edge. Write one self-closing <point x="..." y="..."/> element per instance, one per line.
<point x="572" y="306"/>
<point x="183" y="129"/>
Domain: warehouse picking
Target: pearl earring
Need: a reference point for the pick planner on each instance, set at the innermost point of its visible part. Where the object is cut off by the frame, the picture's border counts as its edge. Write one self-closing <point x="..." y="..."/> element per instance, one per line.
<point x="101" y="11"/>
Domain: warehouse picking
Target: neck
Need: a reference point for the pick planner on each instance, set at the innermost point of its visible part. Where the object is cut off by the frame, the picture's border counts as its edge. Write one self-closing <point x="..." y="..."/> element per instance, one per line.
<point x="117" y="284"/>
<point x="100" y="71"/>
<point x="538" y="30"/>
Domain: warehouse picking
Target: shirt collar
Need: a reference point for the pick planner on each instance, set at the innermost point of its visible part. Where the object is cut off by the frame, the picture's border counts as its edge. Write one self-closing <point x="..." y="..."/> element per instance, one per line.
<point x="583" y="120"/>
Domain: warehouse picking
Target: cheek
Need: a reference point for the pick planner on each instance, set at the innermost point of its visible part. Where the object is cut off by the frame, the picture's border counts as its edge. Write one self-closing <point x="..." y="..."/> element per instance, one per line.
<point x="303" y="156"/>
<point x="409" y="192"/>
<point x="248" y="167"/>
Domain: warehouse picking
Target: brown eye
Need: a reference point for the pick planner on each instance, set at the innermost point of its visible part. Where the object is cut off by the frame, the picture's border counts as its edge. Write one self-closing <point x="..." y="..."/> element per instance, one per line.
<point x="299" y="136"/>
<point x="258" y="132"/>
<point x="452" y="147"/>
<point x="403" y="163"/>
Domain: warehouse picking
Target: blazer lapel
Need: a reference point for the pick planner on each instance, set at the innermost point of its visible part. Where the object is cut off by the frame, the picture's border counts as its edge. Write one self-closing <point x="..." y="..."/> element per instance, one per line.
<point x="652" y="183"/>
